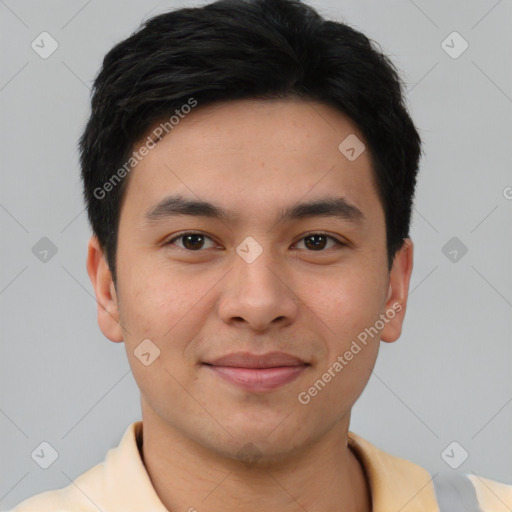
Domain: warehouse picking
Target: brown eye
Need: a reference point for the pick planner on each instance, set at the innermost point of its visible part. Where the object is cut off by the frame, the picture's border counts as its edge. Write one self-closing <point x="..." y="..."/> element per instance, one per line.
<point x="190" y="241"/>
<point x="319" y="241"/>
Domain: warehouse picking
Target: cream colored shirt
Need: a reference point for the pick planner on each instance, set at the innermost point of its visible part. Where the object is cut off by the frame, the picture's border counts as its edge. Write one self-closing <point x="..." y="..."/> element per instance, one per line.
<point x="121" y="484"/>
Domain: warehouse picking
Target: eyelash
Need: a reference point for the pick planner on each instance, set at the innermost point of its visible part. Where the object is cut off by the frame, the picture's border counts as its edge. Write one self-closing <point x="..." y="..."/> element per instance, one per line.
<point x="338" y="242"/>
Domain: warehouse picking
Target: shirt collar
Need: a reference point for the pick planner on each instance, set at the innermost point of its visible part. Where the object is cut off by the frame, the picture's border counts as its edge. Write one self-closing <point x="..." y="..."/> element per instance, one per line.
<point x="395" y="483"/>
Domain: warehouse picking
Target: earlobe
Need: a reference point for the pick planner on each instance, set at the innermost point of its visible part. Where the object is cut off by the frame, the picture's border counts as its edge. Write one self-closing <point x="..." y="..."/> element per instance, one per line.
<point x="396" y="300"/>
<point x="106" y="296"/>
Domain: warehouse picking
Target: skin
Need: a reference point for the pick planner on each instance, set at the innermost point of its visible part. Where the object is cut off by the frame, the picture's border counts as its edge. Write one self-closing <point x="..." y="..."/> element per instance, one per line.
<point x="254" y="158"/>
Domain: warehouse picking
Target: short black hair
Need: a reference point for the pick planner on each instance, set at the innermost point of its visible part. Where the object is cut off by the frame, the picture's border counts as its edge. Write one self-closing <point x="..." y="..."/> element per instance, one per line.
<point x="245" y="49"/>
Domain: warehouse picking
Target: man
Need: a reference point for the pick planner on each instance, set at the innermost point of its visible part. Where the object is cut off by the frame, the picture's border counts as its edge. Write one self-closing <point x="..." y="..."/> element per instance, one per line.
<point x="249" y="171"/>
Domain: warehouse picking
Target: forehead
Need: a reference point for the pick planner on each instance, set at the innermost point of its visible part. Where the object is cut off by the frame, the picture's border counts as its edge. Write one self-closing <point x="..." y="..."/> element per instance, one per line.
<point x="254" y="155"/>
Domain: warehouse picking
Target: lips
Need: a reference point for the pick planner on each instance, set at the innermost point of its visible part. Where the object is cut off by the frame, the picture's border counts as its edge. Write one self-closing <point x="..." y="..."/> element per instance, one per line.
<point x="257" y="372"/>
<point x="248" y="360"/>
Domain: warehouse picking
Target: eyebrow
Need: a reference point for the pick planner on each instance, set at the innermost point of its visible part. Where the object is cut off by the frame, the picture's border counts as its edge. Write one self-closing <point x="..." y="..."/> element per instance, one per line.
<point x="175" y="205"/>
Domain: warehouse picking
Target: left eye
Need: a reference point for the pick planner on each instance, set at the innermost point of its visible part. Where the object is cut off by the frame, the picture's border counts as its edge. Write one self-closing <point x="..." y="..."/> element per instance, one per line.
<point x="319" y="241"/>
<point x="195" y="241"/>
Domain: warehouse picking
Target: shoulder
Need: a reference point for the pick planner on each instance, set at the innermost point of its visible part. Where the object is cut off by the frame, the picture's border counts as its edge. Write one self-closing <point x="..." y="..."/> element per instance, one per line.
<point x="72" y="498"/>
<point x="493" y="496"/>
<point x="114" y="480"/>
<point x="399" y="484"/>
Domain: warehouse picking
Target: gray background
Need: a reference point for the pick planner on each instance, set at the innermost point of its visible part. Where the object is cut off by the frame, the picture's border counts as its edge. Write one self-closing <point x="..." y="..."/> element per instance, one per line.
<point x="447" y="379"/>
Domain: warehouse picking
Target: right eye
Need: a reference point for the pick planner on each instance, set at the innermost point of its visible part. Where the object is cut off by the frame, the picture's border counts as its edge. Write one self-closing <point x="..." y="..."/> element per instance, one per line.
<point x="191" y="241"/>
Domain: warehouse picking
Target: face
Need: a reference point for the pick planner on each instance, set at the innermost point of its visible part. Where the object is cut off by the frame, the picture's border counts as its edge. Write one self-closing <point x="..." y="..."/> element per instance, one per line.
<point x="258" y="279"/>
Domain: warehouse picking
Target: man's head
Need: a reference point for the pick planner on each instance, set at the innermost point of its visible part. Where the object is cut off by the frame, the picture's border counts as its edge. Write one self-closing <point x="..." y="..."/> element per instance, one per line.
<point x="273" y="216"/>
<point x="236" y="49"/>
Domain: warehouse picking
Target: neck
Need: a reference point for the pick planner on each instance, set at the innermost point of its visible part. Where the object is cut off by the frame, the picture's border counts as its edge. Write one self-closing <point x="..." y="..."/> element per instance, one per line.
<point x="325" y="476"/>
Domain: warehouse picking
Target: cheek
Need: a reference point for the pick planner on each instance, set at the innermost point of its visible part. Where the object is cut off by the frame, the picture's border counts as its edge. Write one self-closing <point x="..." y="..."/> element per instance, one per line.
<point x="350" y="307"/>
<point x="150" y="305"/>
<point x="347" y="301"/>
<point x="166" y="306"/>
<point x="162" y="310"/>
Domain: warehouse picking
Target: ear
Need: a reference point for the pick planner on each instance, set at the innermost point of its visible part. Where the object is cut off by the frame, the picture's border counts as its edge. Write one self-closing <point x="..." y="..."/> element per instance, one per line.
<point x="396" y="300"/>
<point x="106" y="296"/>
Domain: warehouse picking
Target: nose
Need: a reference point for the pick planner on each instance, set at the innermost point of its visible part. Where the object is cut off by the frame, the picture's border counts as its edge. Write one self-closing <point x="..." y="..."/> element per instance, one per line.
<point x="257" y="295"/>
